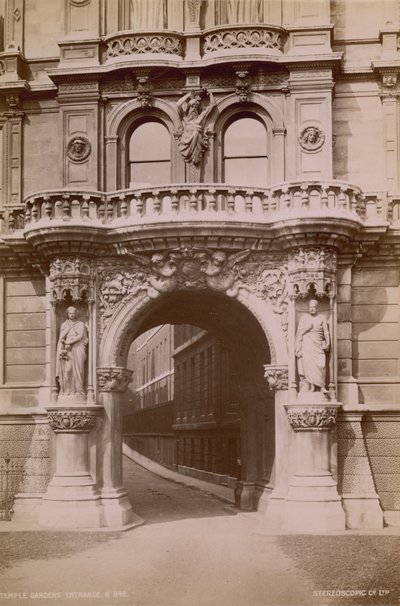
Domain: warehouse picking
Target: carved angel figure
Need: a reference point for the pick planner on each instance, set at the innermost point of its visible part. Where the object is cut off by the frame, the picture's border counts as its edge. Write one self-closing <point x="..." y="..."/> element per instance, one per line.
<point x="220" y="274"/>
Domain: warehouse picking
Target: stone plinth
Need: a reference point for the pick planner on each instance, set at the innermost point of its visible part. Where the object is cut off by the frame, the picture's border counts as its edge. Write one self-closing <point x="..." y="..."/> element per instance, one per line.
<point x="312" y="502"/>
<point x="72" y="500"/>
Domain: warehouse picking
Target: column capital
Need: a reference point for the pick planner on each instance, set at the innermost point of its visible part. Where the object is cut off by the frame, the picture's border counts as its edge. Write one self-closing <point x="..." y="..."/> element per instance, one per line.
<point x="277" y="376"/>
<point x="312" y="417"/>
<point x="116" y="378"/>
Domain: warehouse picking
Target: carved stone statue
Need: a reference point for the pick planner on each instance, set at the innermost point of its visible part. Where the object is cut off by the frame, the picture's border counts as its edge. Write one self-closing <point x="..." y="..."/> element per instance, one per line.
<point x="312" y="343"/>
<point x="71" y="355"/>
<point x="192" y="139"/>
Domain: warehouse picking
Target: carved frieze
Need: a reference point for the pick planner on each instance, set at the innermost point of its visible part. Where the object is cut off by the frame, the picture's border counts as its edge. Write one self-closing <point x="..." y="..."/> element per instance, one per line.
<point x="113" y="379"/>
<point x="313" y="418"/>
<point x="277" y="376"/>
<point x="72" y="280"/>
<point x="312" y="267"/>
<point x="67" y="420"/>
<point x="311" y="138"/>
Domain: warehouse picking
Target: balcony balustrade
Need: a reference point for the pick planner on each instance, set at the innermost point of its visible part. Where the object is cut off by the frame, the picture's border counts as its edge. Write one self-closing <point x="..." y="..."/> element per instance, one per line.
<point x="193" y="203"/>
<point x="128" y="43"/>
<point x="245" y="38"/>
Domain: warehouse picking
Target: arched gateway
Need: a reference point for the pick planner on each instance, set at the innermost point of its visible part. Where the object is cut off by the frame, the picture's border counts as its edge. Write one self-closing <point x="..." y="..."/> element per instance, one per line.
<point x="256" y="293"/>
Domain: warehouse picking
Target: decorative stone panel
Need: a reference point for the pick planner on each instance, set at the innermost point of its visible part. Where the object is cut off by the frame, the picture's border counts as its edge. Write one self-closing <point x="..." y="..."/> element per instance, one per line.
<point x="312" y="418"/>
<point x="72" y="420"/>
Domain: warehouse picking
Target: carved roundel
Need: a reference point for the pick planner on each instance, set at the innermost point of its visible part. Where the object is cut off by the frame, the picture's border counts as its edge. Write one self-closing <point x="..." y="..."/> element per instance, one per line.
<point x="311" y="138"/>
<point x="78" y="149"/>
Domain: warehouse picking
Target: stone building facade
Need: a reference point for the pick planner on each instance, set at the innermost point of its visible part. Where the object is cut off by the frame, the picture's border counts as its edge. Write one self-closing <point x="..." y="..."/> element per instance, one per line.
<point x="224" y="164"/>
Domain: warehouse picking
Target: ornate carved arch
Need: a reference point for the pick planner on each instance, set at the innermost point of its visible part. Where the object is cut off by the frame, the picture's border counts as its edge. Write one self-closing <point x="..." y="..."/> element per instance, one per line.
<point x="117" y="335"/>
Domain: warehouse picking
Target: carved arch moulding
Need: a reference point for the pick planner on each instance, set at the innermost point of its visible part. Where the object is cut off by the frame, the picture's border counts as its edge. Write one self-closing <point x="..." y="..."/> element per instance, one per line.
<point x="257" y="280"/>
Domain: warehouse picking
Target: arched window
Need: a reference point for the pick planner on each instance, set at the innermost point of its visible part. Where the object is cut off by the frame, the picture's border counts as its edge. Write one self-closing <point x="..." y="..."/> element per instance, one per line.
<point x="245" y="153"/>
<point x="149" y="155"/>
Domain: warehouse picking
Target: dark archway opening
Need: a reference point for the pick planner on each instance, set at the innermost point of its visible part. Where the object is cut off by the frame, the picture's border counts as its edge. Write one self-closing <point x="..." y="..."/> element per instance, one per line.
<point x="208" y="414"/>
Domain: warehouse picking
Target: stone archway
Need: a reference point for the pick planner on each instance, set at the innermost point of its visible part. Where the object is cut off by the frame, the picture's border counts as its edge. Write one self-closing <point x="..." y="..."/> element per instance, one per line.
<point x="131" y="303"/>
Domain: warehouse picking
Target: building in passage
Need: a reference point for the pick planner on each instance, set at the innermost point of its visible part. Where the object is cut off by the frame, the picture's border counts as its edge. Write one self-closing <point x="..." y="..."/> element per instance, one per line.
<point x="231" y="165"/>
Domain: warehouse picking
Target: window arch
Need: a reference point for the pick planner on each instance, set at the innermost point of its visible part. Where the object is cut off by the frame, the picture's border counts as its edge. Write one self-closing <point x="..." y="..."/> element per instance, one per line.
<point x="245" y="152"/>
<point x="149" y="154"/>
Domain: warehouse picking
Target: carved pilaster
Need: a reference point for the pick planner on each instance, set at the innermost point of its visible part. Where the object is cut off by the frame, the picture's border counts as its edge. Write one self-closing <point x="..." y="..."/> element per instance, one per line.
<point x="312" y="417"/>
<point x="113" y="379"/>
<point x="390" y="94"/>
<point x="277" y="376"/>
<point x="71" y="420"/>
<point x="193" y="13"/>
<point x="312" y="269"/>
<point x="72" y="279"/>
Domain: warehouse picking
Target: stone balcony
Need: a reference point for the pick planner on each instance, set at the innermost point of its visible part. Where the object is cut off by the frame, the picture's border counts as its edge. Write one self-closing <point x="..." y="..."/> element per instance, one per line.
<point x="327" y="212"/>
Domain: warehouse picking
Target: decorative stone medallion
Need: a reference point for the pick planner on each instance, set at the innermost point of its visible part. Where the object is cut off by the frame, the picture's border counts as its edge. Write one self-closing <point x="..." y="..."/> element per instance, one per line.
<point x="311" y="138"/>
<point x="78" y="149"/>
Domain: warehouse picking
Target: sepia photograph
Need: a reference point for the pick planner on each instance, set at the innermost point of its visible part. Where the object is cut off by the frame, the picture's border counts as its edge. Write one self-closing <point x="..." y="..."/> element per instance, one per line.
<point x="200" y="302"/>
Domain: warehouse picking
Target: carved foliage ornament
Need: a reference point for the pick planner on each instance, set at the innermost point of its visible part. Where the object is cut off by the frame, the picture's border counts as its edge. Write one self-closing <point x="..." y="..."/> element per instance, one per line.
<point x="311" y="138"/>
<point x="78" y="149"/>
<point x="306" y="419"/>
<point x="312" y="267"/>
<point x="144" y="91"/>
<point x="277" y="376"/>
<point x="72" y="420"/>
<point x="72" y="279"/>
<point x="113" y="379"/>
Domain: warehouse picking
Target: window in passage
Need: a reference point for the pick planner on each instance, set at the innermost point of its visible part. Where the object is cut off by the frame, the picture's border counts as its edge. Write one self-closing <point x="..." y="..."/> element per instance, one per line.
<point x="149" y="155"/>
<point x="245" y="153"/>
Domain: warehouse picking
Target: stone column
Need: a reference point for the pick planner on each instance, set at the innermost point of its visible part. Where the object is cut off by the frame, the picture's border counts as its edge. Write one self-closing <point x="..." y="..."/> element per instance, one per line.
<point x="312" y="502"/>
<point x="273" y="503"/>
<point x="72" y="499"/>
<point x="117" y="510"/>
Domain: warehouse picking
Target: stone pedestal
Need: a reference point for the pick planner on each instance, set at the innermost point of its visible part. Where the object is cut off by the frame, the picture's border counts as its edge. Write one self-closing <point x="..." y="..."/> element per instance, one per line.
<point x="72" y="500"/>
<point x="312" y="502"/>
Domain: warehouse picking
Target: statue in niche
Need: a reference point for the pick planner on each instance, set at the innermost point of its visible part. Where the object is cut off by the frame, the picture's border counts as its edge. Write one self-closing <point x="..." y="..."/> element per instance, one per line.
<point x="312" y="343"/>
<point x="192" y="139"/>
<point x="147" y="14"/>
<point x="244" y="11"/>
<point x="71" y="354"/>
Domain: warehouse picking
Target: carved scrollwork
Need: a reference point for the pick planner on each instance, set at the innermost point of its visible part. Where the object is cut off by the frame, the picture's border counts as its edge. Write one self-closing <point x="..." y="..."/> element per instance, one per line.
<point x="72" y="279"/>
<point x="312" y="267"/>
<point x="311" y="138"/>
<point x="78" y="420"/>
<point x="113" y="379"/>
<point x="144" y="91"/>
<point x="306" y="419"/>
<point x="277" y="376"/>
